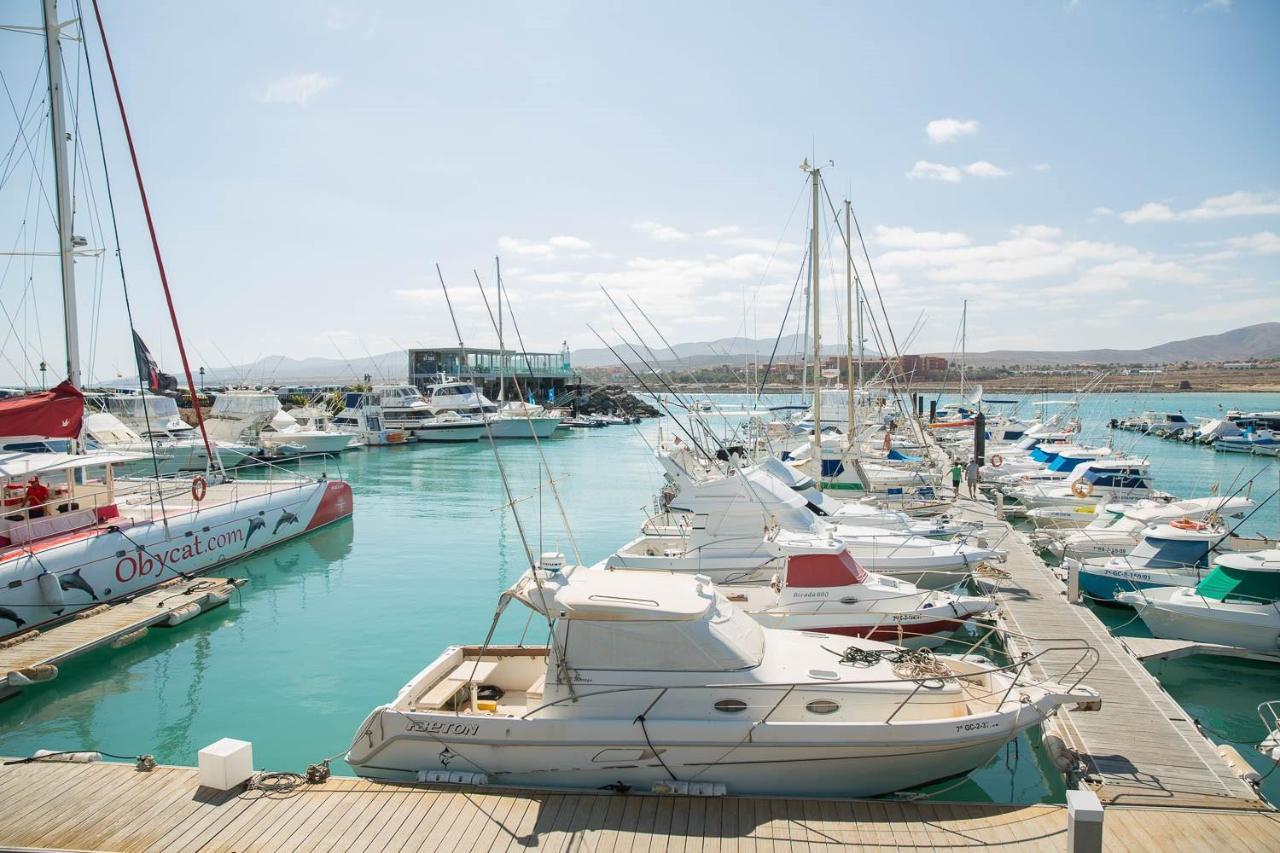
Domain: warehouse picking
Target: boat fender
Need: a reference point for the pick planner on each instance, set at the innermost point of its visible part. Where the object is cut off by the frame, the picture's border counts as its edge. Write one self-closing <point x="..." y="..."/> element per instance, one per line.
<point x="50" y="589"/>
<point x="30" y="675"/>
<point x="997" y="460"/>
<point x="183" y="613"/>
<point x="1238" y="765"/>
<point x="1059" y="753"/>
<point x="199" y="487"/>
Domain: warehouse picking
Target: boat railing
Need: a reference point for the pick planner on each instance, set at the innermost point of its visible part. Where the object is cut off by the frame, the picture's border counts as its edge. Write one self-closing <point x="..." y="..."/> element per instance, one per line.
<point x="1084" y="659"/>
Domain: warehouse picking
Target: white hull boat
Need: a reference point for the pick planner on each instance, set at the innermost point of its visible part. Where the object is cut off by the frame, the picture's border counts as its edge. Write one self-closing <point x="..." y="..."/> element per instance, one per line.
<point x="658" y="684"/>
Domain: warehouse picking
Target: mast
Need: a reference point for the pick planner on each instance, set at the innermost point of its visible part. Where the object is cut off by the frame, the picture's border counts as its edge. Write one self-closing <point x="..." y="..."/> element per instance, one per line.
<point x="815" y="175"/>
<point x="62" y="184"/>
<point x="848" y="303"/>
<point x="502" y="353"/>
<point x="964" y="332"/>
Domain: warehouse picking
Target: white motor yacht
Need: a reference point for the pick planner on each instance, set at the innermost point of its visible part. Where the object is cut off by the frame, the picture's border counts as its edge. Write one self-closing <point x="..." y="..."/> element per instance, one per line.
<point x="403" y="407"/>
<point x="147" y="414"/>
<point x="361" y="415"/>
<point x="285" y="435"/>
<point x="1100" y="480"/>
<point x="511" y="420"/>
<point x="107" y="432"/>
<point x="658" y="682"/>
<point x="1119" y="527"/>
<point x="1237" y="604"/>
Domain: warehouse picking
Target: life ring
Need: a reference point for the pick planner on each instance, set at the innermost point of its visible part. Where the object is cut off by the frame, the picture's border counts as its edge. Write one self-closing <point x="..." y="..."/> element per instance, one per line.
<point x="1188" y="524"/>
<point x="199" y="486"/>
<point x="997" y="460"/>
<point x="1082" y="489"/>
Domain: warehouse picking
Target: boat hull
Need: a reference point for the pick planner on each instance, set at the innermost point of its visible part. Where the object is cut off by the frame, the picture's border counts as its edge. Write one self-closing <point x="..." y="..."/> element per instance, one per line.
<point x="1173" y="614"/>
<point x="517" y="427"/>
<point x="449" y="431"/>
<point x="789" y="759"/>
<point x="118" y="558"/>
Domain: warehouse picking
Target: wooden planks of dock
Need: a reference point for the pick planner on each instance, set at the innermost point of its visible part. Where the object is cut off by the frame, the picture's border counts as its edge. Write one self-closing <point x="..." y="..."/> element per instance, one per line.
<point x="1141" y="748"/>
<point x="50" y="805"/>
<point x="34" y="657"/>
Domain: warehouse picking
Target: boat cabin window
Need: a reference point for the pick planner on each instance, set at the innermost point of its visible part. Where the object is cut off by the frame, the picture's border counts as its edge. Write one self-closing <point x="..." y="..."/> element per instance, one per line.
<point x="1116" y="479"/>
<point x="1156" y="553"/>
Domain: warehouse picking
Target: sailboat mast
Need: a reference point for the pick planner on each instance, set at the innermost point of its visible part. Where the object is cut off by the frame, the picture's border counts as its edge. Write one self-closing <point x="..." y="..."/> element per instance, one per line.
<point x="964" y="344"/>
<point x="848" y="302"/>
<point x="502" y="353"/>
<point x="816" y="175"/>
<point x="62" y="185"/>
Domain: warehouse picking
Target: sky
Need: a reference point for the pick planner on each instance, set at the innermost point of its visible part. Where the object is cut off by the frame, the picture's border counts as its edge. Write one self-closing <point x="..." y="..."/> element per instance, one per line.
<point x="1085" y="173"/>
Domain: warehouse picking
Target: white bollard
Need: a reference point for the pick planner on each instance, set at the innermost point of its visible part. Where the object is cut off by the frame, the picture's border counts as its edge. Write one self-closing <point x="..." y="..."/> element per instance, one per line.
<point x="226" y="763"/>
<point x="1084" y="822"/>
<point x="1073" y="583"/>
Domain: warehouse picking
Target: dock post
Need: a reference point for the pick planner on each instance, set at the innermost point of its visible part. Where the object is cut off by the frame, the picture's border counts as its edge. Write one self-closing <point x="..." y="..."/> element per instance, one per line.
<point x="933" y="410"/>
<point x="1084" y="822"/>
<point x="1073" y="582"/>
<point x="980" y="438"/>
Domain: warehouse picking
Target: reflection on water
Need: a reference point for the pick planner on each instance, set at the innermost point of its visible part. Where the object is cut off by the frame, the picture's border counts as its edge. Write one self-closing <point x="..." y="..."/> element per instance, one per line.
<point x="334" y="623"/>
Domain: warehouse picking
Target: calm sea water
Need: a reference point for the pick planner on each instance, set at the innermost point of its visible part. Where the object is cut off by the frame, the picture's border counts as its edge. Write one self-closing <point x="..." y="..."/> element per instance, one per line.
<point x="335" y="623"/>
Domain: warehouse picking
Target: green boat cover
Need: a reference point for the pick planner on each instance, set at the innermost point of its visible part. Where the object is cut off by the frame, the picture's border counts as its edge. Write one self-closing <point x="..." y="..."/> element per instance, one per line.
<point x="1223" y="582"/>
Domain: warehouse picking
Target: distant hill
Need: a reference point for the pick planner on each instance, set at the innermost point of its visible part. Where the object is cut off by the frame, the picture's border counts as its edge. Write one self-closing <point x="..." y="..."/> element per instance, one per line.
<point x="1260" y="341"/>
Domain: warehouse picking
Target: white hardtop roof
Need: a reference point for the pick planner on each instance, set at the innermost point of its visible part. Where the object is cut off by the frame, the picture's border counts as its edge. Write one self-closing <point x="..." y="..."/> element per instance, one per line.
<point x="20" y="464"/>
<point x="792" y="477"/>
<point x="1192" y="507"/>
<point x="790" y="542"/>
<point x="1168" y="531"/>
<point x="616" y="595"/>
<point x="1254" y="561"/>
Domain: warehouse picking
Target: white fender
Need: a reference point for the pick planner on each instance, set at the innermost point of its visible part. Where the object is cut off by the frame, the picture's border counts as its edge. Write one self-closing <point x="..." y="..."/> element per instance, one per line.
<point x="50" y="589"/>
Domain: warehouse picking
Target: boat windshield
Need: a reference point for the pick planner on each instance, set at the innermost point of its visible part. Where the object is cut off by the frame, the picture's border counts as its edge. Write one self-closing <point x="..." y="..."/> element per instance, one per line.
<point x="137" y="406"/>
<point x="1156" y="553"/>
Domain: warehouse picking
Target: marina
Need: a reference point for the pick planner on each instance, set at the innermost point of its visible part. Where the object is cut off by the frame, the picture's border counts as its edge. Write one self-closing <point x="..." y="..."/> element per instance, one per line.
<point x="568" y="585"/>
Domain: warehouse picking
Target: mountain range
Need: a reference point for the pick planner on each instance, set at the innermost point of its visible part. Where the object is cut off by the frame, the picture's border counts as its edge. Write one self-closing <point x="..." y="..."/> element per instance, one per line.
<point x="1258" y="341"/>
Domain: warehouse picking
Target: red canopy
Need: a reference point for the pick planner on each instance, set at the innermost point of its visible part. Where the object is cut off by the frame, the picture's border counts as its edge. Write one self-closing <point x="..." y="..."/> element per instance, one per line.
<point x="55" y="413"/>
<point x="818" y="570"/>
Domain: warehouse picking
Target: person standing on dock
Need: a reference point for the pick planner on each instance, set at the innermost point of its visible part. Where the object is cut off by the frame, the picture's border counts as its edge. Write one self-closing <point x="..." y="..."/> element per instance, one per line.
<point x="956" y="472"/>
<point x="971" y="477"/>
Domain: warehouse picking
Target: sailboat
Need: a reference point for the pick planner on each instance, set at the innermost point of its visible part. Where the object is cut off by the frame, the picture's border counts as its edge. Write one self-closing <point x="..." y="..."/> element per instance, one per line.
<point x="73" y="533"/>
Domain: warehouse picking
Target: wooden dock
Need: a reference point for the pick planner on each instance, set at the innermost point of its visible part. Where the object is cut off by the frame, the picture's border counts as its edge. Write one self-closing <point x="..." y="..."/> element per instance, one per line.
<point x="34" y="656"/>
<point x="1144" y="648"/>
<point x="1141" y="748"/>
<point x="58" y="806"/>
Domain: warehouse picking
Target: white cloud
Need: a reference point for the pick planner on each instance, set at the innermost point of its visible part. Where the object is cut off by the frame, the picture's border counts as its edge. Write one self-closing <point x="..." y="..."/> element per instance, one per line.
<point x="942" y="130"/>
<point x="567" y="242"/>
<point x="1264" y="243"/>
<point x="761" y="244"/>
<point x="983" y="169"/>
<point x="1103" y="211"/>
<point x="904" y="237"/>
<point x="296" y="88"/>
<point x="658" y="231"/>
<point x="552" y="277"/>
<point x="548" y="249"/>
<point x="924" y="170"/>
<point x="1041" y="167"/>
<point x="722" y="231"/>
<point x="1036" y="232"/>
<point x="1239" y="203"/>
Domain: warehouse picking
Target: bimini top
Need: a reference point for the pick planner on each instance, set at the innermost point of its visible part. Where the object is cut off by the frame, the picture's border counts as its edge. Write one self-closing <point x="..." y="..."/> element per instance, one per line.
<point x="616" y="595"/>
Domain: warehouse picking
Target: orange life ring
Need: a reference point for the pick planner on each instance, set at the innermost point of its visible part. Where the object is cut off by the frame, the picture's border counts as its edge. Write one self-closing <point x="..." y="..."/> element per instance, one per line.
<point x="1188" y="524"/>
<point x="199" y="486"/>
<point x="997" y="460"/>
<point x="1081" y="489"/>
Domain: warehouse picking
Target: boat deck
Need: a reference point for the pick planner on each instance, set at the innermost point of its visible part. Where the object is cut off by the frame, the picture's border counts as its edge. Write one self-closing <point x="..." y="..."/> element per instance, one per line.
<point x="1144" y="648"/>
<point x="34" y="656"/>
<point x="1141" y="748"/>
<point x="101" y="806"/>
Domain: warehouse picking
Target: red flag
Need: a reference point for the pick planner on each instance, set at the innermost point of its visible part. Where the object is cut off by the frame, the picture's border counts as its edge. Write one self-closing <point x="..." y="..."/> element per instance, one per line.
<point x="55" y="413"/>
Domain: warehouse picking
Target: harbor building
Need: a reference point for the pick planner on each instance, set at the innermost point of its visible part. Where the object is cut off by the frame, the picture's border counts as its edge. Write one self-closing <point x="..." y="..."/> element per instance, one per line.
<point x="539" y="372"/>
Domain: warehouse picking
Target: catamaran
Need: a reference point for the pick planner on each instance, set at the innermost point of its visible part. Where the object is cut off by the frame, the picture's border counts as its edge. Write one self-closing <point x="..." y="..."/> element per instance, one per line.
<point x="73" y="535"/>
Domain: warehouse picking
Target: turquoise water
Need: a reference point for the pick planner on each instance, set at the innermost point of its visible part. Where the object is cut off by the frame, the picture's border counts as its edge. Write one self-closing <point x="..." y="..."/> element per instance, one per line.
<point x="335" y="623"/>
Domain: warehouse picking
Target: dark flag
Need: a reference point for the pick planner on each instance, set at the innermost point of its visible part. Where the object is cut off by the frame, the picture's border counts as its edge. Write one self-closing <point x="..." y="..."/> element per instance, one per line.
<point x="156" y="382"/>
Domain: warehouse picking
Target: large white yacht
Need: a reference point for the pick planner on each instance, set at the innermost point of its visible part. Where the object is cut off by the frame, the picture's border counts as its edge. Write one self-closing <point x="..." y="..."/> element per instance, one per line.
<point x="243" y="414"/>
<point x="362" y="415"/>
<point x="403" y="407"/>
<point x="657" y="682"/>
<point x="511" y="420"/>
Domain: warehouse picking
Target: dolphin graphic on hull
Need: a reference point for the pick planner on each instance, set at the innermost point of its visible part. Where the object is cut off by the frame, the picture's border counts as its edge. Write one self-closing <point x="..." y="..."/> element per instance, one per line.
<point x="255" y="524"/>
<point x="286" y="517"/>
<point x="6" y="613"/>
<point x="73" y="580"/>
